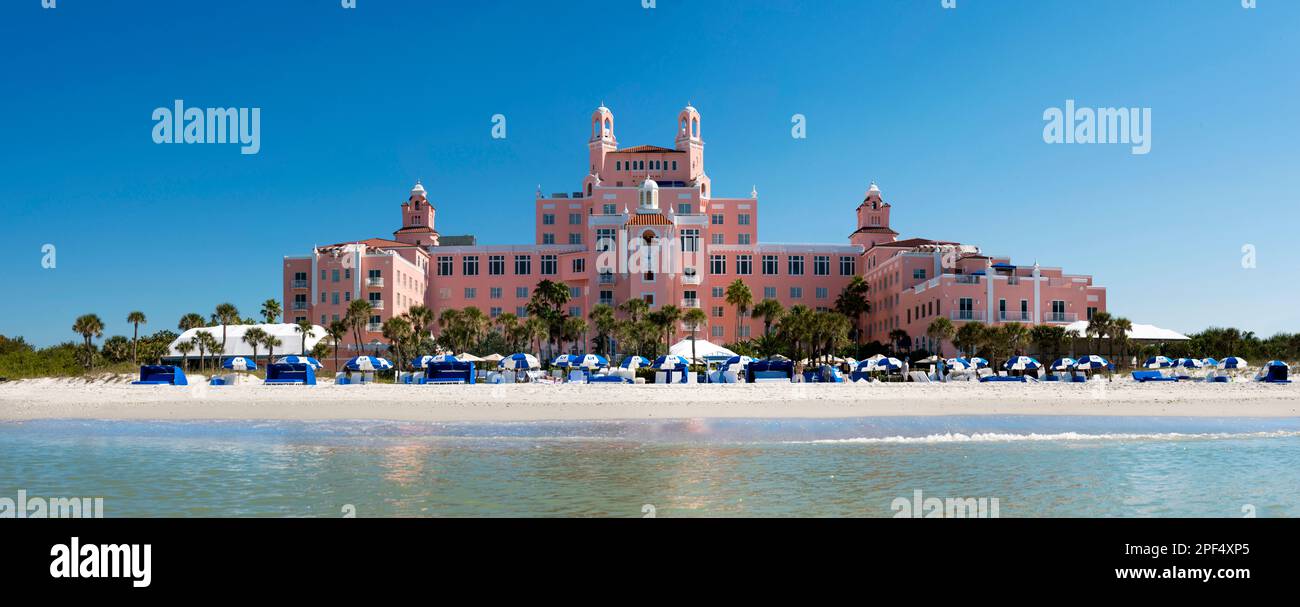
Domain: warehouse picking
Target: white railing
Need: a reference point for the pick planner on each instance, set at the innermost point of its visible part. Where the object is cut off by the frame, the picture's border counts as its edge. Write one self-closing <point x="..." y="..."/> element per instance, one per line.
<point x="300" y="305"/>
<point x="376" y="304"/>
<point x="1061" y="317"/>
<point x="374" y="282"/>
<point x="374" y="327"/>
<point x="300" y="284"/>
<point x="1013" y="316"/>
<point x="966" y="315"/>
<point x="693" y="302"/>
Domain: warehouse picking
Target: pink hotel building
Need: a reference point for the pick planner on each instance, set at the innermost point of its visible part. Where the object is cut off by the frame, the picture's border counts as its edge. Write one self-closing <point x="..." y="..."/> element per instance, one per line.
<point x="663" y="200"/>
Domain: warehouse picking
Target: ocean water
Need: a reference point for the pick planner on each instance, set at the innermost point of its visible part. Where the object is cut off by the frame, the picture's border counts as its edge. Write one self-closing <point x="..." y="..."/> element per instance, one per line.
<point x="1032" y="466"/>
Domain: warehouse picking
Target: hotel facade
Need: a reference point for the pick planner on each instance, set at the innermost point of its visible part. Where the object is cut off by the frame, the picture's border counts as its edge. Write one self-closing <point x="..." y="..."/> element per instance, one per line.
<point x="646" y="223"/>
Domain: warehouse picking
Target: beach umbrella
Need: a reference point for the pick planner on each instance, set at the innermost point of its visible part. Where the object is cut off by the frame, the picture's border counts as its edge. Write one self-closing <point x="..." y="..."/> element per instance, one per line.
<point x="493" y="357"/>
<point x="367" y="363"/>
<point x="1022" y="363"/>
<point x="1064" y="364"/>
<point x="670" y="362"/>
<point x="778" y="357"/>
<point x="979" y="363"/>
<point x="633" y="362"/>
<point x="737" y="360"/>
<point x="294" y="359"/>
<point x="929" y="360"/>
<point x="469" y="358"/>
<point x="593" y="361"/>
<point x="883" y="363"/>
<point x="960" y="364"/>
<point x="445" y="358"/>
<point x="1276" y="363"/>
<point x="1232" y="362"/>
<point x="239" y="363"/>
<point x="422" y="362"/>
<point x="1092" y="362"/>
<point x="1189" y="363"/>
<point x="1210" y="362"/>
<point x="1158" y="362"/>
<point x="565" y="360"/>
<point x="519" y="361"/>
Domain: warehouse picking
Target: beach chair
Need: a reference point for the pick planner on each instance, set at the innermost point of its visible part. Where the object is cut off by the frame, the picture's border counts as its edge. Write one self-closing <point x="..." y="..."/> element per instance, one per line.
<point x="1147" y="376"/>
<point x="919" y="377"/>
<point x="341" y="379"/>
<point x="1275" y="374"/>
<point x="1003" y="378"/>
<point x="450" y="372"/>
<point x="161" y="375"/>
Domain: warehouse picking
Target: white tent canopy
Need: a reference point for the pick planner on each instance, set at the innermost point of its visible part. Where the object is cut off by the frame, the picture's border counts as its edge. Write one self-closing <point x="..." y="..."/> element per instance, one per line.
<point x="703" y="349"/>
<point x="291" y="340"/>
<point x="1139" y="332"/>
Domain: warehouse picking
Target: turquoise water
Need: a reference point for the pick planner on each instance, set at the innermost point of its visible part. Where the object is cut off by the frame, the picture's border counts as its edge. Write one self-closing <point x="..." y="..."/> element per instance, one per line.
<point x="1033" y="466"/>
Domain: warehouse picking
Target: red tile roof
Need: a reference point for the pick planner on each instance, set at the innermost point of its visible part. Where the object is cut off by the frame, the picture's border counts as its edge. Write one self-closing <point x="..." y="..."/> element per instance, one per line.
<point x="649" y="219"/>
<point x="375" y="243"/>
<point x="641" y="149"/>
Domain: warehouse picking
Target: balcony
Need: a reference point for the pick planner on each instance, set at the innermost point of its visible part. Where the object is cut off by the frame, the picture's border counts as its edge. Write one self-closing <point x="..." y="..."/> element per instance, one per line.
<point x="300" y="284"/>
<point x="1061" y="317"/>
<point x="375" y="282"/>
<point x="693" y="302"/>
<point x="692" y="279"/>
<point x="966" y="315"/>
<point x="374" y="327"/>
<point x="606" y="279"/>
<point x="966" y="279"/>
<point x="376" y="304"/>
<point x="1013" y="316"/>
<point x="299" y="305"/>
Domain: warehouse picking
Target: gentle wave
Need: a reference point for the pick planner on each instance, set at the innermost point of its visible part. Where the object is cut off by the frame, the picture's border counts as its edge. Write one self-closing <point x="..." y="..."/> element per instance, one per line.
<point x="998" y="437"/>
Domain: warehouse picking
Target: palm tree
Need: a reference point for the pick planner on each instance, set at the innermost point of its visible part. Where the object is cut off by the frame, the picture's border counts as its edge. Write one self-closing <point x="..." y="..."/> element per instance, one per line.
<point x="575" y="330"/>
<point x="970" y="337"/>
<point x="271" y="311"/>
<point x="1120" y="328"/>
<point x="255" y="337"/>
<point x="1016" y="334"/>
<point x="226" y="314"/>
<point x="136" y="319"/>
<point x="358" y="317"/>
<point x="475" y="327"/>
<point x="306" y="329"/>
<point x="185" y="348"/>
<point x="695" y="319"/>
<point x="739" y="295"/>
<point x="634" y="308"/>
<point x="89" y="326"/>
<point x="420" y="318"/>
<point x="603" y="321"/>
<point x="671" y="315"/>
<point x="508" y="324"/>
<point x="215" y="349"/>
<point x="397" y="330"/>
<point x="336" y="332"/>
<point x="770" y="310"/>
<point x="535" y="330"/>
<point x="547" y="300"/>
<point x="901" y="341"/>
<point x="1099" y="327"/>
<point x="939" y="331"/>
<point x="450" y="328"/>
<point x="1049" y="339"/>
<point x="794" y="328"/>
<point x="271" y="341"/>
<point x="202" y="344"/>
<point x="191" y="321"/>
<point x="852" y="302"/>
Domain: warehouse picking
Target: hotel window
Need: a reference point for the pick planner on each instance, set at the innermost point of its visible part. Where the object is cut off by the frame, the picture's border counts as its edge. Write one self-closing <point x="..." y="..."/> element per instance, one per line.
<point x="674" y="165"/>
<point x="494" y="292"/>
<point x="550" y="265"/>
<point x="717" y="311"/>
<point x="796" y="265"/>
<point x="322" y="320"/>
<point x="444" y="265"/>
<point x="575" y="292"/>
<point x="796" y="292"/>
<point x="322" y="297"/>
<point x="494" y="312"/>
<point x="743" y="331"/>
<point x="374" y="298"/>
<point x="742" y="219"/>
<point x="523" y="265"/>
<point x="575" y="238"/>
<point x="521" y="292"/>
<point x="770" y="265"/>
<point x="649" y="298"/>
<point x="618" y="165"/>
<point x="1024" y="309"/>
<point x="848" y="266"/>
<point x="579" y="265"/>
<point x="718" y="264"/>
<point x="300" y="276"/>
<point x="469" y="265"/>
<point x="690" y="240"/>
<point x="822" y="265"/>
<point x="718" y="291"/>
<point x="683" y="208"/>
<point x="742" y="239"/>
<point x="918" y="274"/>
<point x="322" y="275"/>
<point x="575" y="311"/>
<point x="609" y="209"/>
<point x="744" y="264"/>
<point x="965" y="309"/>
<point x="347" y="296"/>
<point x="334" y="275"/>
<point x="769" y="292"/>
<point x="716" y="219"/>
<point x="548" y="238"/>
<point x="575" y="219"/>
<point x="347" y="274"/>
<point x="606" y="239"/>
<point x="496" y="265"/>
<point x="521" y="311"/>
<point x="716" y="331"/>
<point x="822" y="293"/>
<point x="607" y="298"/>
<point x="715" y="238"/>
<point x="548" y="219"/>
<point x="471" y="292"/>
<point x="1091" y="312"/>
<point x="334" y="298"/>
<point x="374" y="320"/>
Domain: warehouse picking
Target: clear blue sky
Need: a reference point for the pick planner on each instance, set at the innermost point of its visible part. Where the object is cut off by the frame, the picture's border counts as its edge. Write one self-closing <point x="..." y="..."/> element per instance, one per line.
<point x="942" y="107"/>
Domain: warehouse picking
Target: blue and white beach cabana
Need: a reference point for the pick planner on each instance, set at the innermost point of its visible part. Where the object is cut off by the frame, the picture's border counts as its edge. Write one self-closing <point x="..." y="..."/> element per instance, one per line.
<point x="1275" y="372"/>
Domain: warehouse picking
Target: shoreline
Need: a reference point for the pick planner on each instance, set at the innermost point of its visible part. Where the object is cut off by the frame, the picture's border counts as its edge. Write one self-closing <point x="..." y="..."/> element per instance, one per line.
<point x="42" y="399"/>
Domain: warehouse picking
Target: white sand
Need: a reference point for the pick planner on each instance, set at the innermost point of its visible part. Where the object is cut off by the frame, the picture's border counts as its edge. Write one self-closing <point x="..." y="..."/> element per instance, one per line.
<point x="79" y="399"/>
